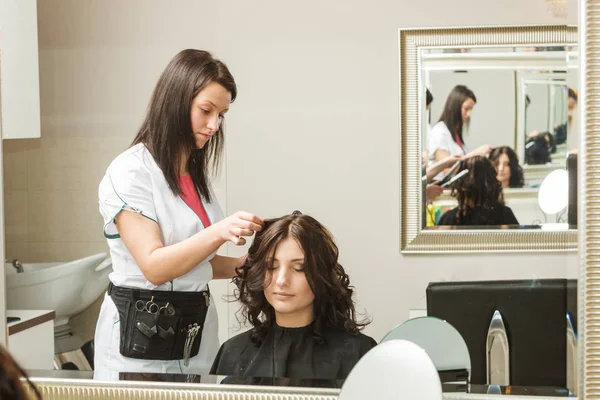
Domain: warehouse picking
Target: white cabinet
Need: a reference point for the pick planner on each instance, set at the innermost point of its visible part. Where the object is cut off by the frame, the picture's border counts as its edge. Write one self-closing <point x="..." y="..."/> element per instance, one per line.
<point x="19" y="70"/>
<point x="31" y="339"/>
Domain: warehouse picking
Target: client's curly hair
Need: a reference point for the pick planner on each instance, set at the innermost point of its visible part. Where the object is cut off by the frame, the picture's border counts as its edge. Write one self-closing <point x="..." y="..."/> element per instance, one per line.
<point x="333" y="305"/>
<point x="478" y="190"/>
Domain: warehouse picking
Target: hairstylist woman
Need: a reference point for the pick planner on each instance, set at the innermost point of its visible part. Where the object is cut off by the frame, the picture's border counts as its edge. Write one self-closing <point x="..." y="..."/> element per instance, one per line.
<point x="164" y="225"/>
<point x="446" y="137"/>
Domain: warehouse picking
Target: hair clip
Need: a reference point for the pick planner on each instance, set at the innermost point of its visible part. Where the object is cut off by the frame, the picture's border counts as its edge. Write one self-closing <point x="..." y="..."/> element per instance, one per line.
<point x="296" y="213"/>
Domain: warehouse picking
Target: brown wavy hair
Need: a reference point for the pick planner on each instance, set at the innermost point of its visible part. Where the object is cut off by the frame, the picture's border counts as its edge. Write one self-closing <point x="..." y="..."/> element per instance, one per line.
<point x="478" y="190"/>
<point x="333" y="305"/>
<point x="14" y="382"/>
<point x="516" y="179"/>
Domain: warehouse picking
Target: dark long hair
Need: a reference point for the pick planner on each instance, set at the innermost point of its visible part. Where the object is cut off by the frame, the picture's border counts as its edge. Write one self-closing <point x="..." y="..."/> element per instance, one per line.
<point x="538" y="149"/>
<point x="428" y="97"/>
<point x="479" y="191"/>
<point x="14" y="382"/>
<point x="452" y="114"/>
<point x="333" y="305"/>
<point x="167" y="128"/>
<point x="517" y="179"/>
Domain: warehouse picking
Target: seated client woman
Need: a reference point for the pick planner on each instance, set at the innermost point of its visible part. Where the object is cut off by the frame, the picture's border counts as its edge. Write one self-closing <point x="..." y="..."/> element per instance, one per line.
<point x="298" y="299"/>
<point x="506" y="162"/>
<point x="479" y="196"/>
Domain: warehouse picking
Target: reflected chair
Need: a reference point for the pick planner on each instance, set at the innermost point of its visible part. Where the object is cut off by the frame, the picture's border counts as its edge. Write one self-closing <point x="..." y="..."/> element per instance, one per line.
<point x="535" y="314"/>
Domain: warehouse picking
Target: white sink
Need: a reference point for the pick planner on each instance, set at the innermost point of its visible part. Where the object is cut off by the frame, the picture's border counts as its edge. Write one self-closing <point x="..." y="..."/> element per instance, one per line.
<point x="65" y="287"/>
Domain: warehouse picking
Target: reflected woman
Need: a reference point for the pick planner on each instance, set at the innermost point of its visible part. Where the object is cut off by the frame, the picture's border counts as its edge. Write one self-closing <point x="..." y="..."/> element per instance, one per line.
<point x="479" y="195"/>
<point x="562" y="131"/>
<point x="298" y="299"/>
<point x="446" y="137"/>
<point x="506" y="162"/>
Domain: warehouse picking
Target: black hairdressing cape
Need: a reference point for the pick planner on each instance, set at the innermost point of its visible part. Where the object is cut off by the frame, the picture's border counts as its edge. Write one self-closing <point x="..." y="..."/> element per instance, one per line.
<point x="292" y="353"/>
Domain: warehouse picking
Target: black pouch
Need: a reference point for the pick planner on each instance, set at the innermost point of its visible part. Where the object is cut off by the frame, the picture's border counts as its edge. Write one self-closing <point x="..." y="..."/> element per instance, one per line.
<point x="188" y="323"/>
<point x="151" y="336"/>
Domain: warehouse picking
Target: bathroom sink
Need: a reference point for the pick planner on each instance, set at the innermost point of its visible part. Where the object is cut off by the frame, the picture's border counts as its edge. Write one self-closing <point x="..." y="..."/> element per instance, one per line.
<point x="65" y="287"/>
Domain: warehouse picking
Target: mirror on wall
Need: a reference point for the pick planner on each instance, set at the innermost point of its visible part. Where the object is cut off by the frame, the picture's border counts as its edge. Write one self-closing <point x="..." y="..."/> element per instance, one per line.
<point x="485" y="124"/>
<point x="497" y="122"/>
<point x="500" y="116"/>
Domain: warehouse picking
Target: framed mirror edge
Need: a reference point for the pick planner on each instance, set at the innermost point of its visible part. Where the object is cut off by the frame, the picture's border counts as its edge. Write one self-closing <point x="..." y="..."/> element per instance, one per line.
<point x="588" y="351"/>
<point x="491" y="241"/>
<point x="414" y="239"/>
<point x="134" y="390"/>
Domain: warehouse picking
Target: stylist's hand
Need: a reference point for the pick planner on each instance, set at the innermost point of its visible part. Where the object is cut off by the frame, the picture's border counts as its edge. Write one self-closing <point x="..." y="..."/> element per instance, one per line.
<point x="484" y="150"/>
<point x="450" y="161"/>
<point x="480" y="151"/>
<point x="235" y="227"/>
<point x="532" y="134"/>
<point x="432" y="191"/>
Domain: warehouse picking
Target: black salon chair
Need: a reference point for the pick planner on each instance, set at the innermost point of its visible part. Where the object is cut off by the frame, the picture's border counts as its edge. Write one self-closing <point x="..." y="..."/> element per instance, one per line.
<point x="534" y="314"/>
<point x="88" y="352"/>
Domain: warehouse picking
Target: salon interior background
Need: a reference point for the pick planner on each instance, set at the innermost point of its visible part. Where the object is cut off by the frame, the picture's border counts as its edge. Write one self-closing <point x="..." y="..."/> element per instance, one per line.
<point x="314" y="128"/>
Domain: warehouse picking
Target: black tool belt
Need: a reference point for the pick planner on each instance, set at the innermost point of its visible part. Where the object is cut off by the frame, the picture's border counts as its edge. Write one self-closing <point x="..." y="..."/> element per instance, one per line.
<point x="160" y="325"/>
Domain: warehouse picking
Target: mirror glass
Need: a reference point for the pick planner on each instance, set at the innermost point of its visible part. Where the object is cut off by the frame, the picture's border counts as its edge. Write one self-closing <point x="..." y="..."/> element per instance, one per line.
<point x="495" y="122"/>
<point x="58" y="256"/>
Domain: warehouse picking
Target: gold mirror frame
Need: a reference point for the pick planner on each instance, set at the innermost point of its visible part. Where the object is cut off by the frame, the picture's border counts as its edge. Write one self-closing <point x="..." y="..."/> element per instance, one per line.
<point x="589" y="221"/>
<point x="414" y="239"/>
<point x="51" y="388"/>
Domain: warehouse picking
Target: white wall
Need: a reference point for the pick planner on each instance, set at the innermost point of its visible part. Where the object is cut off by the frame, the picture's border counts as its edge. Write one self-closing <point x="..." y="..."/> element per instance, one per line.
<point x="537" y="114"/>
<point x="315" y="126"/>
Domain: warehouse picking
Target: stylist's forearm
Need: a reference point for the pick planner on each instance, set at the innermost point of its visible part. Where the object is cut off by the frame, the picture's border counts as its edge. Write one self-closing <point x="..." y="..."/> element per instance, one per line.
<point x="434" y="170"/>
<point x="170" y="262"/>
<point x="224" y="267"/>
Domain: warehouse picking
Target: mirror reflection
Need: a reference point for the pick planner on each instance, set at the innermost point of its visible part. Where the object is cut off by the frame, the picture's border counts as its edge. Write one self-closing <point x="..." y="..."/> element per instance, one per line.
<point x="300" y="325"/>
<point x="495" y="123"/>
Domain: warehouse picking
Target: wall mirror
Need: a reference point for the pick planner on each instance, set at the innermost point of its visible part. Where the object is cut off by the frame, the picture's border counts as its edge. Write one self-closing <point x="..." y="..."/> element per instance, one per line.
<point x="487" y="114"/>
<point x="75" y="384"/>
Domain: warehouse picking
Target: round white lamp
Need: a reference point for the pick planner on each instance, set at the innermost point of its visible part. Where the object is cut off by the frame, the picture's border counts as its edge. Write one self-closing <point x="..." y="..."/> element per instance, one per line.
<point x="396" y="369"/>
<point x="553" y="196"/>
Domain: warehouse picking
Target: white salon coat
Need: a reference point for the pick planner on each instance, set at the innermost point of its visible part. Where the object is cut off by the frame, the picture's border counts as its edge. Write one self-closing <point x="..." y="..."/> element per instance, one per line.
<point x="440" y="138"/>
<point x="135" y="182"/>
